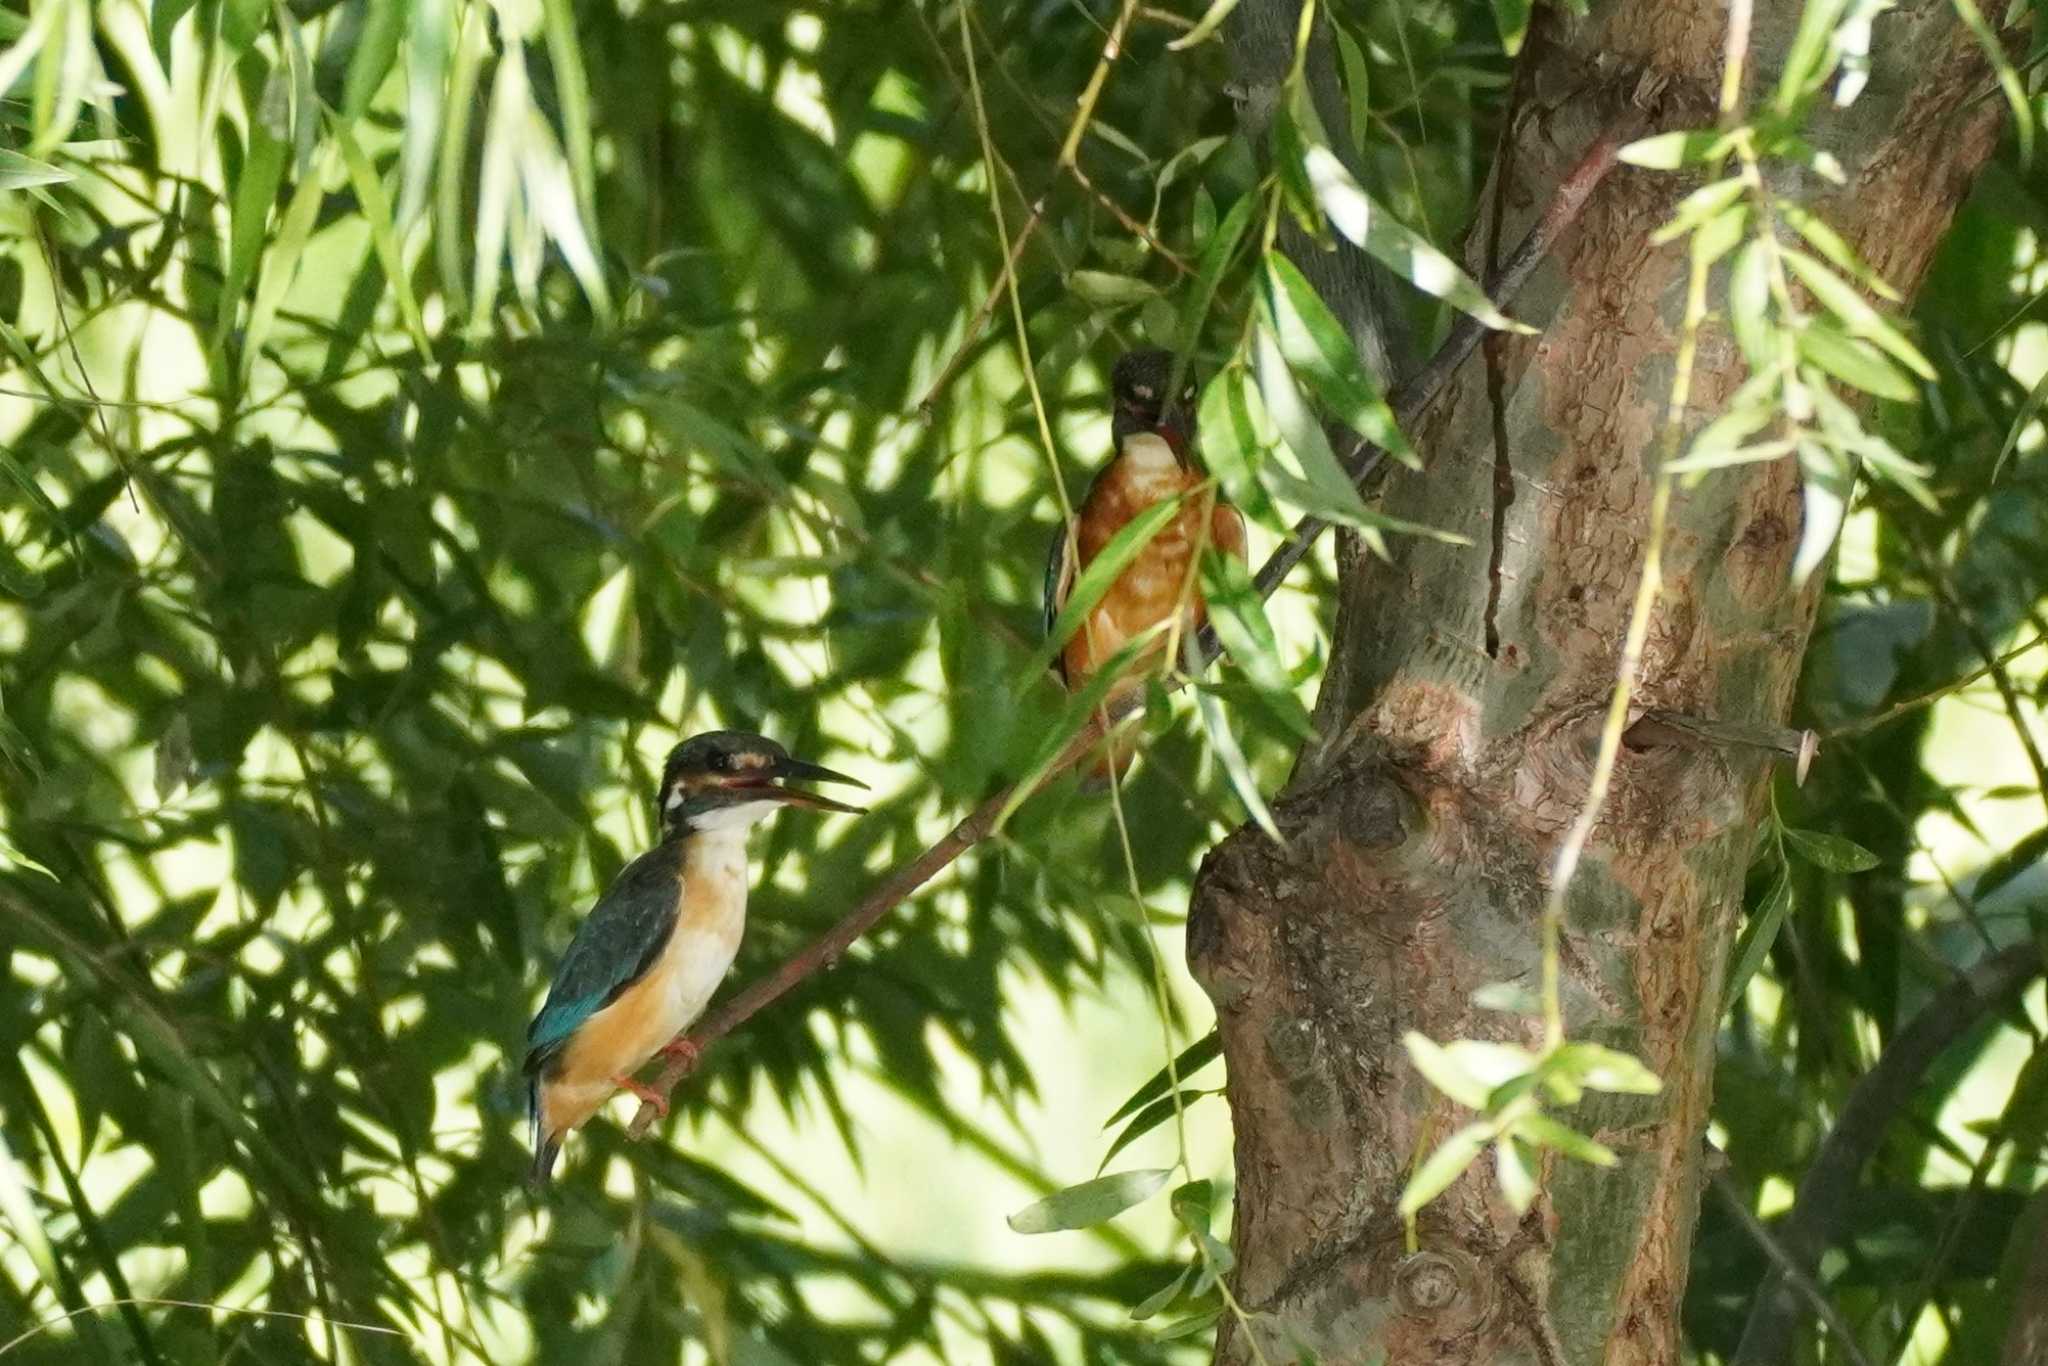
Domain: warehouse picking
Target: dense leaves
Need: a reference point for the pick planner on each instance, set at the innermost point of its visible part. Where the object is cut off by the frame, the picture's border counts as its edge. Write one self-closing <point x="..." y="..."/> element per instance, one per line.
<point x="419" y="416"/>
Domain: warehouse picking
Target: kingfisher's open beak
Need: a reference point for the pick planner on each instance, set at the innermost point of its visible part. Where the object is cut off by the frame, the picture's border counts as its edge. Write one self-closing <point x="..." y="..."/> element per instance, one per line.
<point x="798" y="770"/>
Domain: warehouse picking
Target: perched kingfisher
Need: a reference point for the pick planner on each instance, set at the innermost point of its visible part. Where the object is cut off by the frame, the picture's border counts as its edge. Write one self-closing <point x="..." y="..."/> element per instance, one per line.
<point x="1154" y="431"/>
<point x="645" y="961"/>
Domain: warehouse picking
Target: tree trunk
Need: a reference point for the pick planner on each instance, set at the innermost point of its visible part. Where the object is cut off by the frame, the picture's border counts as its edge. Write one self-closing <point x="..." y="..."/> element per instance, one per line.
<point x="1459" y="719"/>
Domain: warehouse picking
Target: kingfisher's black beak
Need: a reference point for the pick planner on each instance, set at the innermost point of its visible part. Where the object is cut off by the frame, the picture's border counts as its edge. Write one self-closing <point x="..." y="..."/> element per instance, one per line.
<point x="796" y="769"/>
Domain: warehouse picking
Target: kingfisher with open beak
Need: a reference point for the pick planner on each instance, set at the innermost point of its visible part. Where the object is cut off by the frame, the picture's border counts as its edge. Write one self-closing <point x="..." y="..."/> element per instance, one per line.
<point x="644" y="963"/>
<point x="1155" y="458"/>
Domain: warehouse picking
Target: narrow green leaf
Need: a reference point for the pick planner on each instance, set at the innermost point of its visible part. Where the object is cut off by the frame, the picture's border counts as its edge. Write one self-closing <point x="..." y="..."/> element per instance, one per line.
<point x="1512" y="17"/>
<point x="1211" y="20"/>
<point x="1548" y="1133"/>
<point x="1395" y="245"/>
<point x="1148" y="1119"/>
<point x="1219" y="250"/>
<point x="1699" y="207"/>
<point x="1102" y="571"/>
<point x="2009" y="83"/>
<point x="1102" y="287"/>
<point x="1749" y="306"/>
<point x="551" y="200"/>
<point x="1080" y="707"/>
<point x="1091" y="1202"/>
<point x="1445" y="1073"/>
<point x="572" y="97"/>
<point x="1517" y="1180"/>
<point x="1856" y="363"/>
<point x="1318" y="349"/>
<point x="1493" y="1064"/>
<point x="1357" y="86"/>
<point x="1728" y="456"/>
<point x="1239" y="615"/>
<point x="1857" y="317"/>
<point x="376" y="49"/>
<point x="1191" y="1325"/>
<point x="1598" y="1068"/>
<point x="1299" y="429"/>
<point x="1669" y="151"/>
<point x="428" y="49"/>
<point x="496" y="185"/>
<point x="383" y="235"/>
<point x="1161" y="1298"/>
<point x="1235" y="767"/>
<point x="1758" y="935"/>
<point x="2029" y="410"/>
<point x="1233" y="447"/>
<point x="1824" y="500"/>
<point x="452" y="162"/>
<point x="1831" y="244"/>
<point x="1511" y="997"/>
<point x="281" y="262"/>
<point x="1831" y="852"/>
<point x="1442" y="1167"/>
<point x="19" y="172"/>
<point x="14" y="61"/>
<point x="256" y="189"/>
<point x="1195" y="1056"/>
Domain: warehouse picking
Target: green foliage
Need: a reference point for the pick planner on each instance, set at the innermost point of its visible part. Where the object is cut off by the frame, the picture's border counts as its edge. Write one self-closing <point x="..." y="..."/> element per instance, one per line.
<point x="419" y="415"/>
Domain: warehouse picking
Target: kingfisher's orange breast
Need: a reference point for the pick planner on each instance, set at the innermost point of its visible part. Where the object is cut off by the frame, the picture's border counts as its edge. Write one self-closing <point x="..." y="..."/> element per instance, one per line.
<point x="1150" y="587"/>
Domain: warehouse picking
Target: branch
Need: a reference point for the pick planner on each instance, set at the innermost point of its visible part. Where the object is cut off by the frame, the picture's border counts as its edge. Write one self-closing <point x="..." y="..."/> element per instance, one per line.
<point x="1411" y="400"/>
<point x="1829" y="1189"/>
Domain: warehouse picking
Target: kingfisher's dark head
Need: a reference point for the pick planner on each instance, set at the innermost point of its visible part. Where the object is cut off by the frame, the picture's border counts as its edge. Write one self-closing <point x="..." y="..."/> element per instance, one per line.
<point x="1142" y="401"/>
<point x="727" y="778"/>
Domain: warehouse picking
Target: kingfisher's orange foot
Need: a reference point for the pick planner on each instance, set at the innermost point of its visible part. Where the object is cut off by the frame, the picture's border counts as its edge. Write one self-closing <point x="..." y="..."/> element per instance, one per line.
<point x="645" y="1092"/>
<point x="683" y="1051"/>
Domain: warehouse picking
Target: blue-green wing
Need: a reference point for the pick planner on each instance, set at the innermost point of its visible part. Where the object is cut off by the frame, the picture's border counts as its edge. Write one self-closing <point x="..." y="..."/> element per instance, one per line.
<point x="614" y="947"/>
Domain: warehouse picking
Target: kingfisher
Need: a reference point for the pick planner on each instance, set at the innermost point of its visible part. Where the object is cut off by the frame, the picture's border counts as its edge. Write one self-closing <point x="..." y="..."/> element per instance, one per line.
<point x="1153" y="429"/>
<point x="645" y="961"/>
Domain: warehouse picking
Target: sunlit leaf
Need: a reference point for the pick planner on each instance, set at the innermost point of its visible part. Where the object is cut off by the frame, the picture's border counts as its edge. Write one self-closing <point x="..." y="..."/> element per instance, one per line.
<point x="1211" y="20"/>
<point x="1445" y="1073"/>
<point x="1239" y="615"/>
<point x="1832" y="852"/>
<point x="1669" y="151"/>
<point x="1512" y="18"/>
<point x="1548" y="1133"/>
<point x="1517" y="1181"/>
<point x="1319" y="351"/>
<point x="1443" y="1166"/>
<point x="1858" y="318"/>
<point x="1598" y="1068"/>
<point x="1395" y="245"/>
<point x="1091" y="1202"/>
<point x="1758" y="934"/>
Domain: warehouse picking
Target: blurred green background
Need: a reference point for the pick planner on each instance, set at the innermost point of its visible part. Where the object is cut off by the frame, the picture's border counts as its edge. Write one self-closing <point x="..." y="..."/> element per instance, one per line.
<point x="419" y="416"/>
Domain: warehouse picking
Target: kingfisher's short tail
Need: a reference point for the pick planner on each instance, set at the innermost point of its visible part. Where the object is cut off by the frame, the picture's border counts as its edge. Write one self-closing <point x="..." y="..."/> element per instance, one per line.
<point x="545" y="1145"/>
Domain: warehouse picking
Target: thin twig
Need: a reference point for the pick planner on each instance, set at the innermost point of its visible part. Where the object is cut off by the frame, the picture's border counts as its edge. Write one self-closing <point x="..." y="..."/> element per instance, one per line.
<point x="1411" y="400"/>
<point x="1928" y="699"/>
<point x="1788" y="1266"/>
<point x="987" y="309"/>
<point x="1828" y="1190"/>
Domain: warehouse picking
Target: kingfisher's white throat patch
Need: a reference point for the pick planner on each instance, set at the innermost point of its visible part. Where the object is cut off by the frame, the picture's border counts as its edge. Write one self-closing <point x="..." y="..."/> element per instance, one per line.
<point x="1149" y="450"/>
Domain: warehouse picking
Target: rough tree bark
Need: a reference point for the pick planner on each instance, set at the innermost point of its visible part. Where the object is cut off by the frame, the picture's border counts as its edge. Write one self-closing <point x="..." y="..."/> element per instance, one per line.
<point x="1460" y="714"/>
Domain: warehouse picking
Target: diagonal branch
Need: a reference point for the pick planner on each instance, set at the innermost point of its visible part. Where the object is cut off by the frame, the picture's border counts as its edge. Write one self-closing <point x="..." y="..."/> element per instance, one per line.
<point x="1828" y="1190"/>
<point x="1410" y="400"/>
